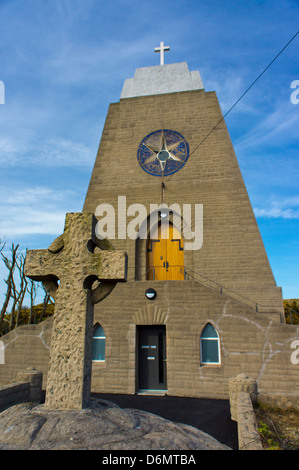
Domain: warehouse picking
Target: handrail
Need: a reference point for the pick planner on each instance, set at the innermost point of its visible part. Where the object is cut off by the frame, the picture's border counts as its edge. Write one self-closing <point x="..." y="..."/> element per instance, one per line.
<point x="244" y="300"/>
<point x="211" y="284"/>
<point x="290" y="312"/>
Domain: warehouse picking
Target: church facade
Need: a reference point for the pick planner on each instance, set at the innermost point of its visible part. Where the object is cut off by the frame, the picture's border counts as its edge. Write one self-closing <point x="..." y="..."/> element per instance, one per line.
<point x="201" y="304"/>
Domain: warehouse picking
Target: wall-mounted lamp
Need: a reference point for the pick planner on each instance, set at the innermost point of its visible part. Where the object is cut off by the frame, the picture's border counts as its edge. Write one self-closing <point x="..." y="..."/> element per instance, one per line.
<point x="150" y="294"/>
<point x="164" y="213"/>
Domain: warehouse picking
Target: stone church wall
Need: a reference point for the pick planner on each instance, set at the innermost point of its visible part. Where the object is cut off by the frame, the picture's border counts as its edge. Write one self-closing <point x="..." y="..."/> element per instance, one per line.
<point x="233" y="253"/>
<point x="250" y="343"/>
<point x="26" y="346"/>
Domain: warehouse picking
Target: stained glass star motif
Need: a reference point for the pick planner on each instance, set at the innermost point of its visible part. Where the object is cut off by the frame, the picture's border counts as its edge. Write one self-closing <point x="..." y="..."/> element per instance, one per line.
<point x="163" y="152"/>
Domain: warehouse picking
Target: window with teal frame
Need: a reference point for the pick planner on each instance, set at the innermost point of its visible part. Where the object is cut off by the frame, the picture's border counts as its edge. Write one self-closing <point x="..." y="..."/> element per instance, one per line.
<point x="98" y="344"/>
<point x="209" y="345"/>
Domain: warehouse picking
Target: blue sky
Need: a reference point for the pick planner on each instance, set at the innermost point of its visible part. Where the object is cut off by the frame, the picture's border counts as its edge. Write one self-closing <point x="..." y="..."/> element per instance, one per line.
<point x="64" y="61"/>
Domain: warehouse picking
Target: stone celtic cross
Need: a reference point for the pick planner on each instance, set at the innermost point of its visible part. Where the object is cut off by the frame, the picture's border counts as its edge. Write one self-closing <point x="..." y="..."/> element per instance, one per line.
<point x="68" y="269"/>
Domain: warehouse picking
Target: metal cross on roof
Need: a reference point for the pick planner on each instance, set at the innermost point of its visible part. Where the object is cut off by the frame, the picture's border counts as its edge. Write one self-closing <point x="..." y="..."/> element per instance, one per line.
<point x="161" y="49"/>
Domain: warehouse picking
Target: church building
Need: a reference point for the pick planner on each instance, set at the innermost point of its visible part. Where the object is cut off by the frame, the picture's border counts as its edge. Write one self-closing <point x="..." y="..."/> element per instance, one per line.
<point x="201" y="304"/>
<point x="201" y="295"/>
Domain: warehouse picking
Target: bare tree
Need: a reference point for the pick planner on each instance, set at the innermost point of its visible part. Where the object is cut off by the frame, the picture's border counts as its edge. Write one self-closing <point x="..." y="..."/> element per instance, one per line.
<point x="10" y="265"/>
<point x="47" y="300"/>
<point x="32" y="289"/>
<point x="17" y="287"/>
<point x="18" y="294"/>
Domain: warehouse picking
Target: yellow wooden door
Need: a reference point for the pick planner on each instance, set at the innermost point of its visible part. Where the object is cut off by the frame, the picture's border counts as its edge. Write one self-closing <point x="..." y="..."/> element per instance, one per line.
<point x="165" y="254"/>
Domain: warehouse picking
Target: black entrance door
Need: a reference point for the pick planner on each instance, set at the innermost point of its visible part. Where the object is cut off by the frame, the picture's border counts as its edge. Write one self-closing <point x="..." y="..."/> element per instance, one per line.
<point x="151" y="348"/>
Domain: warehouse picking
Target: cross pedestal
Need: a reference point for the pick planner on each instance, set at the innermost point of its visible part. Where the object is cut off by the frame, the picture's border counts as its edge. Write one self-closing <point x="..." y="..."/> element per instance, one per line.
<point x="68" y="268"/>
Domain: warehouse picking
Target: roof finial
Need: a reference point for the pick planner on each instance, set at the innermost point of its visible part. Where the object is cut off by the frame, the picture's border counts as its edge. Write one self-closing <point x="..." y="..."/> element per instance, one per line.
<point x="161" y="49"/>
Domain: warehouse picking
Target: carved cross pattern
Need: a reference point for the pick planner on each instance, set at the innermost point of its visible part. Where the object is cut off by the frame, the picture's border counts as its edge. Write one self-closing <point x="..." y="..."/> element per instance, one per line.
<point x="68" y="268"/>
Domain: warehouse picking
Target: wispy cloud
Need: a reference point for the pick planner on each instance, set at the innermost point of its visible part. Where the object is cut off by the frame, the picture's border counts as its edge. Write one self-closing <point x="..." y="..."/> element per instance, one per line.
<point x="51" y="153"/>
<point x="32" y="222"/>
<point x="278" y="128"/>
<point x="287" y="208"/>
<point x="32" y="211"/>
<point x="229" y="89"/>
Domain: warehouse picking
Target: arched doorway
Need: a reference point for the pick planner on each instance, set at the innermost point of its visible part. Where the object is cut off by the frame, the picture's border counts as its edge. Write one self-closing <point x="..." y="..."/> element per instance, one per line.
<point x="165" y="254"/>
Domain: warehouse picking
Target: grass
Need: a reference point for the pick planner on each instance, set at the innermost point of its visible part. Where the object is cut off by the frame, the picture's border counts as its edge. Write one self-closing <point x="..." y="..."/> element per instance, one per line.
<point x="278" y="428"/>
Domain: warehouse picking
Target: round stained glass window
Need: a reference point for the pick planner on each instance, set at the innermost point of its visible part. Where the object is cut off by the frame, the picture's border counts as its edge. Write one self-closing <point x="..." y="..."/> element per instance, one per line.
<point x="163" y="152"/>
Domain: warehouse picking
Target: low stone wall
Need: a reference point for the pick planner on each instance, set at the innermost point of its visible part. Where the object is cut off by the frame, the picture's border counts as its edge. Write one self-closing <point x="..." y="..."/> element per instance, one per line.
<point x="243" y="393"/>
<point x="27" y="388"/>
<point x="248" y="436"/>
<point x="35" y="379"/>
<point x="12" y="394"/>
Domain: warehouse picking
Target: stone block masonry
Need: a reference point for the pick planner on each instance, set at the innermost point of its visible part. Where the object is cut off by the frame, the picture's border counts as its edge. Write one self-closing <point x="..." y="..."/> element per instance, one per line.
<point x="233" y="253"/>
<point x="35" y="379"/>
<point x="27" y="388"/>
<point x="242" y="396"/>
<point x="250" y="343"/>
<point x="248" y="435"/>
<point x="13" y="394"/>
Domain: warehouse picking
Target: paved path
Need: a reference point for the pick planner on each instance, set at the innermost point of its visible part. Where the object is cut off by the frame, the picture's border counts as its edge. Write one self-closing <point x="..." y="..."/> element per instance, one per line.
<point x="208" y="415"/>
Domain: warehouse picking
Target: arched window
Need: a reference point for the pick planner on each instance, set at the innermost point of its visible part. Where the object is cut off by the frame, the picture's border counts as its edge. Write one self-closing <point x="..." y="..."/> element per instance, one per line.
<point x="209" y="345"/>
<point x="98" y="344"/>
